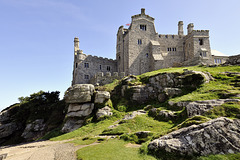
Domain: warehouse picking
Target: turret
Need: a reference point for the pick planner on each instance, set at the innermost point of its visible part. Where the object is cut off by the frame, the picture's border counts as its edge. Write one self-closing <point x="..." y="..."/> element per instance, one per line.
<point x="180" y="28"/>
<point x="76" y="45"/>
<point x="190" y="27"/>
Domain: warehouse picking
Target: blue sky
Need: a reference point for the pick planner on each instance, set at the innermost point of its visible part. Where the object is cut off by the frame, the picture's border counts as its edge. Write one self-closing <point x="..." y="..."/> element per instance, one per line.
<point x="36" y="36"/>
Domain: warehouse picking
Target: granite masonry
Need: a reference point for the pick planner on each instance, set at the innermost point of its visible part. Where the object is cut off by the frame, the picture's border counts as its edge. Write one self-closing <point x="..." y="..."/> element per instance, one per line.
<point x="141" y="49"/>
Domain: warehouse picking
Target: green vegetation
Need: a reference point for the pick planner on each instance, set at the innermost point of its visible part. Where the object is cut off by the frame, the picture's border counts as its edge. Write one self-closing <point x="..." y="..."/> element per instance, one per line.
<point x="221" y="157"/>
<point x="112" y="149"/>
<point x="231" y="110"/>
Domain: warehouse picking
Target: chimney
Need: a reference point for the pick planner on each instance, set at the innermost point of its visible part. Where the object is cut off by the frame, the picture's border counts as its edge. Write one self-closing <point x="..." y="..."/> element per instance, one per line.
<point x="180" y="28"/>
<point x="190" y="27"/>
<point x="143" y="11"/>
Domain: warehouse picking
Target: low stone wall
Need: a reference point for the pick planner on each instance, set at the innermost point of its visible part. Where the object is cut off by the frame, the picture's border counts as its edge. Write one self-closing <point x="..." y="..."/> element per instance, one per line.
<point x="102" y="79"/>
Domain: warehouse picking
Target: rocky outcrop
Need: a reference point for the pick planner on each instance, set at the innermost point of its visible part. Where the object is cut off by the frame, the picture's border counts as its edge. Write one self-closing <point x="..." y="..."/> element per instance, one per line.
<point x="105" y="111"/>
<point x="218" y="136"/>
<point x="29" y="120"/>
<point x="200" y="107"/>
<point x="163" y="86"/>
<point x="80" y="98"/>
<point x="164" y="115"/>
<point x="79" y="93"/>
<point x="233" y="60"/>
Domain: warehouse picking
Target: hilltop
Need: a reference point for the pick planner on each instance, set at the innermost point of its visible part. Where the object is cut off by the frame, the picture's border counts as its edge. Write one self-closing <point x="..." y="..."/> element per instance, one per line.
<point x="155" y="115"/>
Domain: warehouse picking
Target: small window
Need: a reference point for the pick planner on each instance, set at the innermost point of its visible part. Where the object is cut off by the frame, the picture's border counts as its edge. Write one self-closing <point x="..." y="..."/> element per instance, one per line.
<point x="173" y="36"/>
<point x="86" y="65"/>
<point x="147" y="55"/>
<point x="143" y="27"/>
<point x="139" y="41"/>
<point x="203" y="54"/>
<point x="108" y="68"/>
<point x="86" y="76"/>
<point x="200" y="41"/>
<point x="100" y="67"/>
<point x="169" y="49"/>
<point x="166" y="36"/>
<point x="76" y="65"/>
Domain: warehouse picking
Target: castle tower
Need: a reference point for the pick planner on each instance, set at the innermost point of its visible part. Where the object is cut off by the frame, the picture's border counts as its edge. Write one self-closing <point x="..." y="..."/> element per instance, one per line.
<point x="190" y="27"/>
<point x="76" y="45"/>
<point x="180" y="28"/>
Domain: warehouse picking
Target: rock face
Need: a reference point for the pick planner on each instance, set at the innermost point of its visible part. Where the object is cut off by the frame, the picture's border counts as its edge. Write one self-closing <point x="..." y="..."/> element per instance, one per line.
<point x="77" y="113"/>
<point x="218" y="136"/>
<point x="33" y="129"/>
<point x="79" y="93"/>
<point x="80" y="110"/>
<point x="200" y="107"/>
<point x="105" y="111"/>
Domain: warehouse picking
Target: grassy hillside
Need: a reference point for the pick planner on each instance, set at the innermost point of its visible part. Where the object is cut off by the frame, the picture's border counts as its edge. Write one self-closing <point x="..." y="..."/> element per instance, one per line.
<point x="225" y="85"/>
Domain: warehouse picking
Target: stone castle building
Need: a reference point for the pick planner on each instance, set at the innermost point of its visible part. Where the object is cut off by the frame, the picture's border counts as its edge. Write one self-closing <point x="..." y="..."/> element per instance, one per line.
<point x="141" y="49"/>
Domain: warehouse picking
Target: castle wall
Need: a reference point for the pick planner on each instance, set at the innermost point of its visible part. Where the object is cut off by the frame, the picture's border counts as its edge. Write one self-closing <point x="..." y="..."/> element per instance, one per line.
<point x="172" y="49"/>
<point x="86" y="66"/>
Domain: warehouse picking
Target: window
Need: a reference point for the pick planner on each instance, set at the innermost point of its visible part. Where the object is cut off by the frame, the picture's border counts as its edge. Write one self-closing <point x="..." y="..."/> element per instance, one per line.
<point x="173" y="36"/>
<point x="218" y="61"/>
<point x="108" y="68"/>
<point x="169" y="49"/>
<point x="76" y="65"/>
<point x="100" y="67"/>
<point x="86" y="65"/>
<point x="147" y="55"/>
<point x="143" y="27"/>
<point x="166" y="36"/>
<point x="174" y="49"/>
<point x="139" y="41"/>
<point x="86" y="76"/>
<point x="200" y="41"/>
<point x="203" y="54"/>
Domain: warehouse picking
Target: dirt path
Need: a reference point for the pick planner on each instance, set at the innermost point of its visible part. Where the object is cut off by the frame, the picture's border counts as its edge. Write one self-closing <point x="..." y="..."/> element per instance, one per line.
<point x="45" y="150"/>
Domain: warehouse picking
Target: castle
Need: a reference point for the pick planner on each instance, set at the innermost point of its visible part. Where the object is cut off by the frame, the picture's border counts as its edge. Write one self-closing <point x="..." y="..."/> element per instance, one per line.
<point x="141" y="49"/>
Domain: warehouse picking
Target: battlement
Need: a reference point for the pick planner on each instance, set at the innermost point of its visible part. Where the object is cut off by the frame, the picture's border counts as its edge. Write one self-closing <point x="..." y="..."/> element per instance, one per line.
<point x="102" y="79"/>
<point x="173" y="36"/>
<point x="200" y="30"/>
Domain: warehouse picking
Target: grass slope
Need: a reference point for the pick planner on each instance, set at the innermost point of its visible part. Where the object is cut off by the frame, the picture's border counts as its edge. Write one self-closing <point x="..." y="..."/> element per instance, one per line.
<point x="224" y="86"/>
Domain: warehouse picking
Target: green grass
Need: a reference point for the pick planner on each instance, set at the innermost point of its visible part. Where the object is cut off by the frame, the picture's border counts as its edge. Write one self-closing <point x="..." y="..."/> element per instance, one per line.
<point x="231" y="110"/>
<point x="112" y="149"/>
<point x="140" y="123"/>
<point x="91" y="129"/>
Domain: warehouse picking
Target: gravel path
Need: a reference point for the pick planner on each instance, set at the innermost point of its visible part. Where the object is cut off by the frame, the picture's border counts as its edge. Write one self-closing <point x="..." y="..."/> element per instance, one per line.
<point x="45" y="150"/>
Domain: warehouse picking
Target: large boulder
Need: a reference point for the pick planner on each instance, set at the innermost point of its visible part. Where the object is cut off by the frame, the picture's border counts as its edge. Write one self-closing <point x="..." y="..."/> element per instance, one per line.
<point x="218" y="136"/>
<point x="101" y="96"/>
<point x="80" y="110"/>
<point x="79" y="93"/>
<point x="105" y="111"/>
<point x="72" y="124"/>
